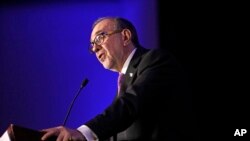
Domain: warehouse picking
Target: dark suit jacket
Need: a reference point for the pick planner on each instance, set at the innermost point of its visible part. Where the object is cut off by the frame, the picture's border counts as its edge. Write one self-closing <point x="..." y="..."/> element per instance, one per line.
<point x="154" y="103"/>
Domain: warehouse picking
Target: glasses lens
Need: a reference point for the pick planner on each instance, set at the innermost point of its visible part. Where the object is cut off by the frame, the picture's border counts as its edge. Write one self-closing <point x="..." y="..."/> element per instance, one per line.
<point x="99" y="39"/>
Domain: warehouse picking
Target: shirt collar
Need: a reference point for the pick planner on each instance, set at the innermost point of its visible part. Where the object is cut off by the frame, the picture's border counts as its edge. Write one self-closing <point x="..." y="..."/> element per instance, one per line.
<point x="125" y="66"/>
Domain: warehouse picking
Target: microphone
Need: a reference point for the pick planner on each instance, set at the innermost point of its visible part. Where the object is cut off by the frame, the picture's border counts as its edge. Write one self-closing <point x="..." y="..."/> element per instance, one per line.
<point x="83" y="84"/>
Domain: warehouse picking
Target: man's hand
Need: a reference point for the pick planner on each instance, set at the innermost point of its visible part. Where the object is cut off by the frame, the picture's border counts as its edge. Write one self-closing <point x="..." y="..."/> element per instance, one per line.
<point x="63" y="134"/>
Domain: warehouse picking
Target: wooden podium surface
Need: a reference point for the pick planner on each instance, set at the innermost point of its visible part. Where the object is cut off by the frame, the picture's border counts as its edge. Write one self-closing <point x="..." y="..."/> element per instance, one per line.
<point x="19" y="133"/>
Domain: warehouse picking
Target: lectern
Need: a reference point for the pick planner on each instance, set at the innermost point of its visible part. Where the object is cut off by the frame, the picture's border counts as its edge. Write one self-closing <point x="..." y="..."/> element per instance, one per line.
<point x="18" y="133"/>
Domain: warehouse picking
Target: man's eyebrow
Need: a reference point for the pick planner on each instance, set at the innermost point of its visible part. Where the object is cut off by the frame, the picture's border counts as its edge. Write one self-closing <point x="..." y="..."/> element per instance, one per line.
<point x="97" y="33"/>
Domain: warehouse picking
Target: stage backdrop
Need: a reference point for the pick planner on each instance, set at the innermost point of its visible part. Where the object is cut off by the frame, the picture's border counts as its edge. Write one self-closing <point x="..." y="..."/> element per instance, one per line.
<point x="44" y="57"/>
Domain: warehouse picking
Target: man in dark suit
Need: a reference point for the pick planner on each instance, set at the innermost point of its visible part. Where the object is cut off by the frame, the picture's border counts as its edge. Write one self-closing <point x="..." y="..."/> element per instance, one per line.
<point x="154" y="99"/>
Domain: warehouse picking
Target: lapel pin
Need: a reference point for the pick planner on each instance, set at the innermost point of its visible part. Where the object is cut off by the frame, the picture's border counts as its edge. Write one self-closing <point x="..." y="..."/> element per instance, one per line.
<point x="130" y="74"/>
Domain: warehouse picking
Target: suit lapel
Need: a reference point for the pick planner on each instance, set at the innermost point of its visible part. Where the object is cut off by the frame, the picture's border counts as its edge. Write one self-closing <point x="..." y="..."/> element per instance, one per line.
<point x="130" y="75"/>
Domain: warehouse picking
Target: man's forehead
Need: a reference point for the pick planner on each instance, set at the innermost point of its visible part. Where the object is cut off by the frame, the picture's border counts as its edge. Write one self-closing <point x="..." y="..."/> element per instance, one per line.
<point x="102" y="26"/>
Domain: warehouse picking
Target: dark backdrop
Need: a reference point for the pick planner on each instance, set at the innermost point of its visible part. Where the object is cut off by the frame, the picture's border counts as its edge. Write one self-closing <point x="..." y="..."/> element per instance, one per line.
<point x="207" y="38"/>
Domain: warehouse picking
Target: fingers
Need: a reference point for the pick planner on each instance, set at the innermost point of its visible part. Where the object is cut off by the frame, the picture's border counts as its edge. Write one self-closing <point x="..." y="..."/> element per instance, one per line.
<point x="51" y="132"/>
<point x="62" y="134"/>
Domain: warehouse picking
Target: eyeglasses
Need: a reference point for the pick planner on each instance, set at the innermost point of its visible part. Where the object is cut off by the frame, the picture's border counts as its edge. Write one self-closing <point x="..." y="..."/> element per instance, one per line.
<point x="99" y="39"/>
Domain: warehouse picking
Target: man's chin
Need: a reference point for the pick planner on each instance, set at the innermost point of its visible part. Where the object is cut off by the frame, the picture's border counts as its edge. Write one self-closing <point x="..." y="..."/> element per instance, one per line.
<point x="108" y="67"/>
<point x="105" y="65"/>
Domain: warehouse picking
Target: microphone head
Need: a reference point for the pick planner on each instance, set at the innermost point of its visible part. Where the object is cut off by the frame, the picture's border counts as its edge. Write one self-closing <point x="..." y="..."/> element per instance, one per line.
<point x="84" y="82"/>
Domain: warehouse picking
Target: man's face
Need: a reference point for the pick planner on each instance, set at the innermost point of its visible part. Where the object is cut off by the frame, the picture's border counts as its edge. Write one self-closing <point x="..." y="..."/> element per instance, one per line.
<point x="109" y="52"/>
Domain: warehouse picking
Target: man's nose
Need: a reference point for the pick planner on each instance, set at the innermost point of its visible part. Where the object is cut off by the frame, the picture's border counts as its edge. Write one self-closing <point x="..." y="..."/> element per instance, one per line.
<point x="96" y="48"/>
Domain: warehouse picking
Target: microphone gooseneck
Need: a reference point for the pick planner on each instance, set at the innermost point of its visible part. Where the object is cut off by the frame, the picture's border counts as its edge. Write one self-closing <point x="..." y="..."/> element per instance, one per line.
<point x="83" y="84"/>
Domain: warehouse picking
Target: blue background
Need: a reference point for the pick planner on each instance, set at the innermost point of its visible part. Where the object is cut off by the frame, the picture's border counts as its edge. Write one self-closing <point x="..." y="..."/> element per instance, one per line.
<point x="44" y="57"/>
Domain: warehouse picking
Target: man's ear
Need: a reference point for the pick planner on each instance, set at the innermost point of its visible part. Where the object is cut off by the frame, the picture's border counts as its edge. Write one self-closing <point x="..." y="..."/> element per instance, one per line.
<point x="126" y="36"/>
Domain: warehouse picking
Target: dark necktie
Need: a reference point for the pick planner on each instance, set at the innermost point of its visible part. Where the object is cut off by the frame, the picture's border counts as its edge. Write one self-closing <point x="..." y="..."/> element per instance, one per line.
<point x="120" y="80"/>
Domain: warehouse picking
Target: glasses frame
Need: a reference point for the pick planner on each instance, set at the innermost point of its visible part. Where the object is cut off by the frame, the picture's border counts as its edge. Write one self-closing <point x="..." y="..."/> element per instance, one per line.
<point x="99" y="39"/>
